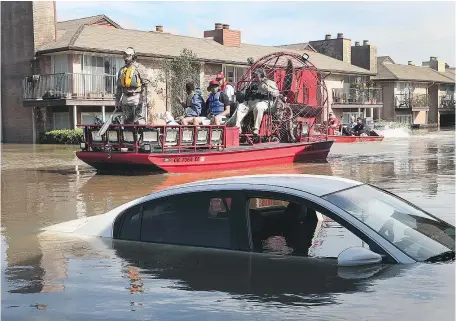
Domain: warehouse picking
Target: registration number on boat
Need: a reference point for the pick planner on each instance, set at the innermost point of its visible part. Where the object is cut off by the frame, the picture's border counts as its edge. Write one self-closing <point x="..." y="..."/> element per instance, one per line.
<point x="188" y="159"/>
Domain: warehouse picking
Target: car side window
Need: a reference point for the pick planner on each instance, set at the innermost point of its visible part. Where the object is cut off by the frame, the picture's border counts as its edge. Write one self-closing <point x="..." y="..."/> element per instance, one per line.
<point x="291" y="228"/>
<point x="129" y="225"/>
<point x="197" y="219"/>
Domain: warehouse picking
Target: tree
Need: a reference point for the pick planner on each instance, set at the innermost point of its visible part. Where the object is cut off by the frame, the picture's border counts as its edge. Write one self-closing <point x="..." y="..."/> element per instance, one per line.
<point x="175" y="74"/>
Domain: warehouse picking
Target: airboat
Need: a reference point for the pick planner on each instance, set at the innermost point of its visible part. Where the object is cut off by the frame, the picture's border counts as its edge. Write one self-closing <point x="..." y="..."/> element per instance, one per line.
<point x="287" y="133"/>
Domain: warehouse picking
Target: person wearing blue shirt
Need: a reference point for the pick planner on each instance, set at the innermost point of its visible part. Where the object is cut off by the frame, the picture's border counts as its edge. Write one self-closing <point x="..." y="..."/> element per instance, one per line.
<point x="193" y="106"/>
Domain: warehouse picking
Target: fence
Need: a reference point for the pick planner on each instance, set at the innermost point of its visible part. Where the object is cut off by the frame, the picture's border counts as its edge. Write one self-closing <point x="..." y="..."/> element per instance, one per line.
<point x="69" y="86"/>
<point x="369" y="96"/>
<point x="408" y="100"/>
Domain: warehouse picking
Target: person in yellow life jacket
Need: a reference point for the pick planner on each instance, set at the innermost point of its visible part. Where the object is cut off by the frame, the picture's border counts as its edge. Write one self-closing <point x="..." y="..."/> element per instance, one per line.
<point x="132" y="86"/>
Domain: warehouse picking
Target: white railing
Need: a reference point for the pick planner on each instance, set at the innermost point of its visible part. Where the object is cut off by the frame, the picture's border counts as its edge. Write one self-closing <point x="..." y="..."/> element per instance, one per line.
<point x="69" y="86"/>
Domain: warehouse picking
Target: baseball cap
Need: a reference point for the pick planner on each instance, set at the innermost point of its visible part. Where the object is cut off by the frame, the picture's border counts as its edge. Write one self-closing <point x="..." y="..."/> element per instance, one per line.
<point x="220" y="75"/>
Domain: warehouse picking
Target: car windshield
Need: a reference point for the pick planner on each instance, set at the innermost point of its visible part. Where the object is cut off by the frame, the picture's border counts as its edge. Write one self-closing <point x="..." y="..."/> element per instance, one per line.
<point x="414" y="232"/>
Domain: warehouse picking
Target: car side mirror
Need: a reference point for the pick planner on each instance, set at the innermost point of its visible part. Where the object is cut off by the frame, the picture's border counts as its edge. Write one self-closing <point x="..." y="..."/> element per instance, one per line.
<point x="355" y="256"/>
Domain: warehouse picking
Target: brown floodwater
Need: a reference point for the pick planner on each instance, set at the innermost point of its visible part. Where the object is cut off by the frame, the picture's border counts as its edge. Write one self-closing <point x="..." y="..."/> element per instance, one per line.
<point x="74" y="280"/>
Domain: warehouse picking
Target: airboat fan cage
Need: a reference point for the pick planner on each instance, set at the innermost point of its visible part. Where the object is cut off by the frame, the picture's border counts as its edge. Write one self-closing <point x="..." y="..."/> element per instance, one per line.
<point x="298" y="80"/>
<point x="303" y="96"/>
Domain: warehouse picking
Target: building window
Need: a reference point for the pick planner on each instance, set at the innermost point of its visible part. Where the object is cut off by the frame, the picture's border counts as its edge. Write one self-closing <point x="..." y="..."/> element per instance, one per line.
<point x="61" y="120"/>
<point x="346" y="116"/>
<point x="59" y="64"/>
<point x="233" y="74"/>
<point x="407" y="119"/>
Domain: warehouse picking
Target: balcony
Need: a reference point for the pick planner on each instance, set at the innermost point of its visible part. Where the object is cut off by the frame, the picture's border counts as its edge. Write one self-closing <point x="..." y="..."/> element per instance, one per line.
<point x="357" y="98"/>
<point x="411" y="101"/>
<point x="447" y="102"/>
<point x="69" y="89"/>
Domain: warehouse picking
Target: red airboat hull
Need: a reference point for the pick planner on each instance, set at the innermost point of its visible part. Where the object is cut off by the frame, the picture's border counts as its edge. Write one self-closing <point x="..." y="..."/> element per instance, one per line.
<point x="355" y="139"/>
<point x="229" y="159"/>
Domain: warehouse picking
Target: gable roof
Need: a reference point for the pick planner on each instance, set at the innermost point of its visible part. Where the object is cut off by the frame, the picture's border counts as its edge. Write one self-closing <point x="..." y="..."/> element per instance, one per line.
<point x="76" y="23"/>
<point x="450" y="73"/>
<point x="299" y="46"/>
<point x="89" y="38"/>
<point x="398" y="72"/>
<point x="382" y="59"/>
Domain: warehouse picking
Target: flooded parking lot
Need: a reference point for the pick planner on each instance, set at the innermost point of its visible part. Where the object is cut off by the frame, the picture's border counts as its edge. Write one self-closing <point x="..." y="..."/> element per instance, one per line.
<point x="45" y="278"/>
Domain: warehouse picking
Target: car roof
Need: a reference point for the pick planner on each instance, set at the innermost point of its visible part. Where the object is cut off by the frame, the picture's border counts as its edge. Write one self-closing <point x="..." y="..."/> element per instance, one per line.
<point x="318" y="185"/>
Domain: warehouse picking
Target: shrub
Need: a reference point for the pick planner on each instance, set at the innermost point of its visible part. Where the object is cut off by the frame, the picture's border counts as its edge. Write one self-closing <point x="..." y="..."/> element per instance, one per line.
<point x="62" y="136"/>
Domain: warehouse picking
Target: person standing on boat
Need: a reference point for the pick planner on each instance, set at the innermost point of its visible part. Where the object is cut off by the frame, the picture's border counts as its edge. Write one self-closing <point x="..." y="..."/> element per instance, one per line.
<point x="257" y="98"/>
<point x="131" y="94"/>
<point x="225" y="86"/>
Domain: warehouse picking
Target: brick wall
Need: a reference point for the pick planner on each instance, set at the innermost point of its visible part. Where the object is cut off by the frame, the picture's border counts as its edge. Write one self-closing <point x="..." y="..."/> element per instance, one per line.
<point x="24" y="26"/>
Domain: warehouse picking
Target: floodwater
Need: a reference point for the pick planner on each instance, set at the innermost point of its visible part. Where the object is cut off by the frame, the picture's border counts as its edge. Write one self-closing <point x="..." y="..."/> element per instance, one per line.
<point x="77" y="279"/>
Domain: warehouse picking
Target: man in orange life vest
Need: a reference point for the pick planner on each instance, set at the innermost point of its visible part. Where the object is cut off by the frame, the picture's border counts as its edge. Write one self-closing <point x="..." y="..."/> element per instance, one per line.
<point x="132" y="82"/>
<point x="225" y="86"/>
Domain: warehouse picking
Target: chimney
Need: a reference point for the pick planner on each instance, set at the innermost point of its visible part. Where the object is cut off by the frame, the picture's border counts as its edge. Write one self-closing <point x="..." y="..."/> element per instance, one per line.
<point x="410" y="63"/>
<point x="364" y="56"/>
<point x="159" y="28"/>
<point x="338" y="48"/>
<point x="224" y="35"/>
<point x="434" y="63"/>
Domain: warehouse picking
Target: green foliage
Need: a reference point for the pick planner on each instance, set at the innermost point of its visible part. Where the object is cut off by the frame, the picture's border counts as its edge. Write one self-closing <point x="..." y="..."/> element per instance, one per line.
<point x="176" y="73"/>
<point x="62" y="136"/>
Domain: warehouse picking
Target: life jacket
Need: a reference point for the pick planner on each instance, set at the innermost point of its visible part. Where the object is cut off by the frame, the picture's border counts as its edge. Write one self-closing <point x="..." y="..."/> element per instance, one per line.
<point x="129" y="77"/>
<point x="215" y="105"/>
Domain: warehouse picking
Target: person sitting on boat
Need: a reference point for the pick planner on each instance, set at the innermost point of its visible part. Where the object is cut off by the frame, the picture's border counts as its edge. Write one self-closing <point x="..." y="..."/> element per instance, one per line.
<point x="218" y="104"/>
<point x="132" y="83"/>
<point x="333" y="124"/>
<point x="359" y="127"/>
<point x="349" y="128"/>
<point x="257" y="98"/>
<point x="225" y="86"/>
<point x="194" y="105"/>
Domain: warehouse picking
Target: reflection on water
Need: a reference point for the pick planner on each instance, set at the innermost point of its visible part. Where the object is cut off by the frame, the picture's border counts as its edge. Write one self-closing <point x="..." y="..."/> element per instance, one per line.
<point x="71" y="279"/>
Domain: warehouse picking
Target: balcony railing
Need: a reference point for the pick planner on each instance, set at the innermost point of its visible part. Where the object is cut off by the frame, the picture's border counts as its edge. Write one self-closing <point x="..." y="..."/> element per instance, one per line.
<point x="407" y="100"/>
<point x="69" y="86"/>
<point x="447" y="101"/>
<point x="354" y="96"/>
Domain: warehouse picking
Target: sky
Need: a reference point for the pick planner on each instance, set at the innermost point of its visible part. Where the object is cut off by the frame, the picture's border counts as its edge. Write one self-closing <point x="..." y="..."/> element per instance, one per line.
<point x="402" y="30"/>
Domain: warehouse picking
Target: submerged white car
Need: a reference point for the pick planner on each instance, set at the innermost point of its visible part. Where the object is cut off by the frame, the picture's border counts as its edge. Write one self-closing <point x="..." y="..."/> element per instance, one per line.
<point x="280" y="214"/>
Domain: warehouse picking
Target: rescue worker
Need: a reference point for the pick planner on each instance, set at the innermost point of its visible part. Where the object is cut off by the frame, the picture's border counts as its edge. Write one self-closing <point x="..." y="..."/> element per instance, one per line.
<point x="132" y="82"/>
<point x="218" y="104"/>
<point x="225" y="86"/>
<point x="194" y="105"/>
<point x="257" y="98"/>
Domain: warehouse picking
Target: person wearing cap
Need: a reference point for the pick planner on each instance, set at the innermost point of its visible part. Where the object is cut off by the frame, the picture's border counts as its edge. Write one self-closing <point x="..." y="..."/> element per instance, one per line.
<point x="193" y="105"/>
<point x="257" y="98"/>
<point x="333" y="123"/>
<point x="225" y="86"/>
<point x="218" y="104"/>
<point x="132" y="89"/>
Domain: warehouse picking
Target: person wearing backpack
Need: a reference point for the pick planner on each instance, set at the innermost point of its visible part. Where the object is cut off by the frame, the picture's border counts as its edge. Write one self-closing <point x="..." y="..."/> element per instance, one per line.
<point x="194" y="105"/>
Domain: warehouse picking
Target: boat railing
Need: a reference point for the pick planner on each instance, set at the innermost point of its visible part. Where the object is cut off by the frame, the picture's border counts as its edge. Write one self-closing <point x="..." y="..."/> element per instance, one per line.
<point x="158" y="138"/>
